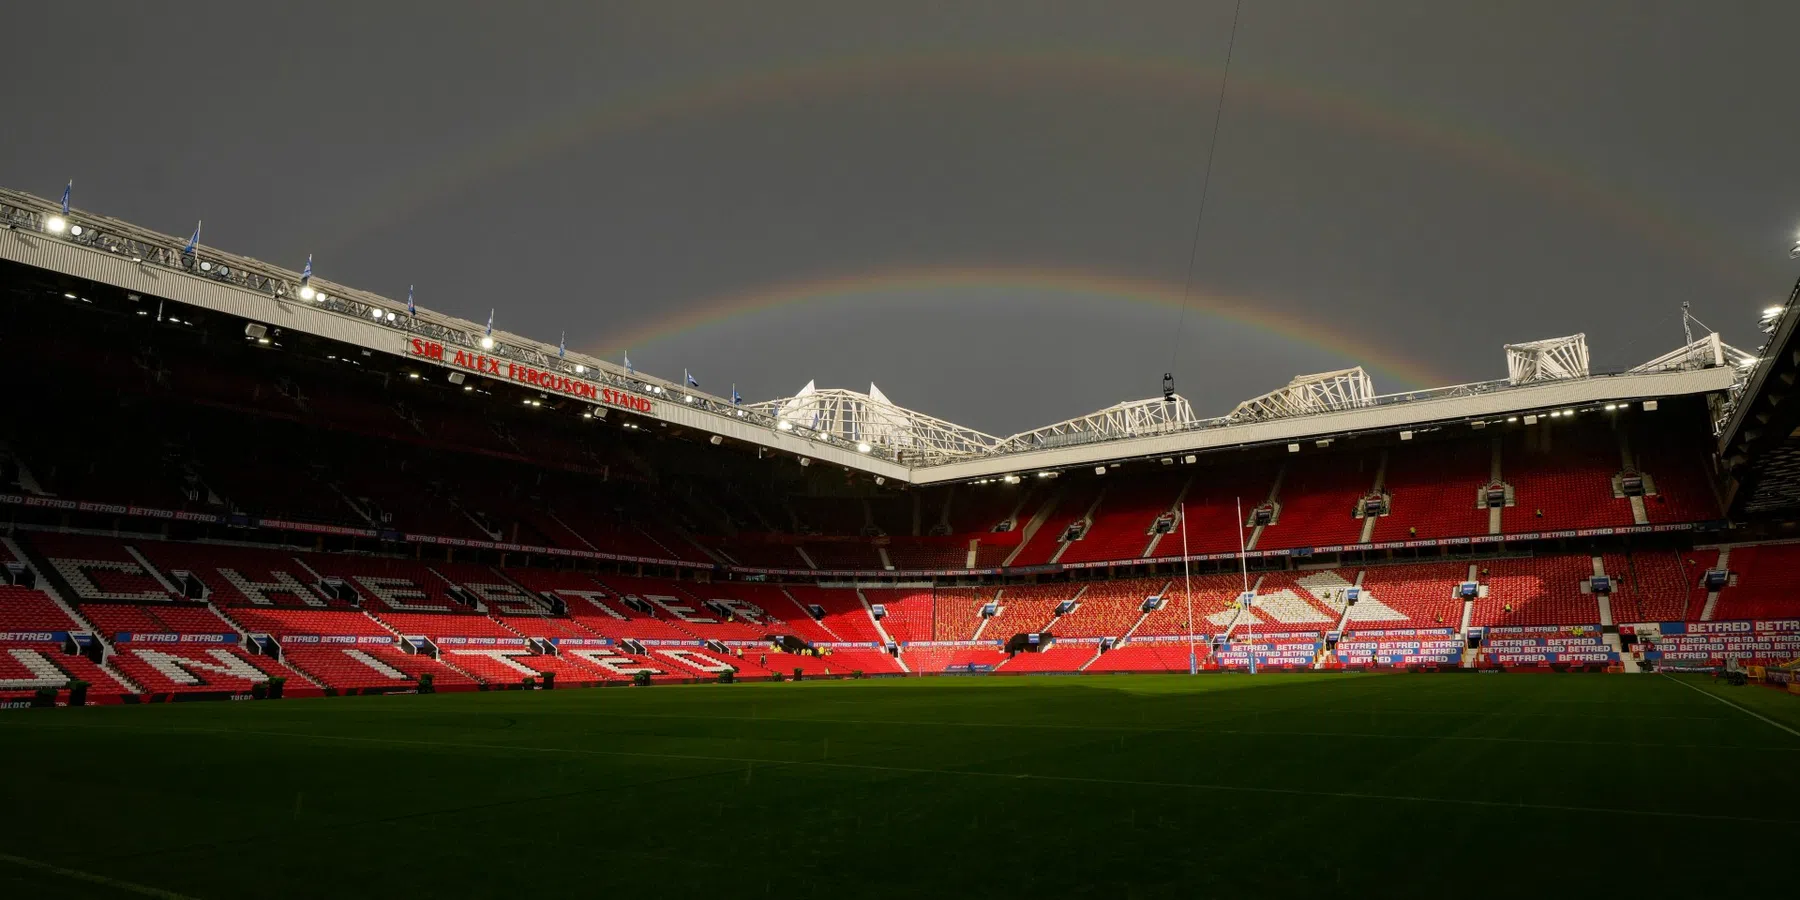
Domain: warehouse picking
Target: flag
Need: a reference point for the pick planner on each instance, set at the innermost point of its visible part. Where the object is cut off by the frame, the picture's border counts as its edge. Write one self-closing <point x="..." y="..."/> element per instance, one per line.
<point x="193" y="243"/>
<point x="628" y="369"/>
<point x="735" y="397"/>
<point x="66" y="189"/>
<point x="490" y="328"/>
<point x="411" y="310"/>
<point x="306" y="273"/>
<point x="689" y="379"/>
<point x="562" y="345"/>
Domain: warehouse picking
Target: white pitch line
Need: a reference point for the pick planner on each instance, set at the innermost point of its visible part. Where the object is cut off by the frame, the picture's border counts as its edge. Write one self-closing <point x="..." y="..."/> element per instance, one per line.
<point x="92" y="878"/>
<point x="1743" y="709"/>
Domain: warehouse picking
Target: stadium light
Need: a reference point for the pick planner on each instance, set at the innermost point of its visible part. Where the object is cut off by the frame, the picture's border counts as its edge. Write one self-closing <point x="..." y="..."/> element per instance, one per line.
<point x="580" y="369"/>
<point x="487" y="342"/>
<point x="863" y="447"/>
<point x="375" y="312"/>
<point x="306" y="292"/>
<point x="785" y="425"/>
<point x="56" y="225"/>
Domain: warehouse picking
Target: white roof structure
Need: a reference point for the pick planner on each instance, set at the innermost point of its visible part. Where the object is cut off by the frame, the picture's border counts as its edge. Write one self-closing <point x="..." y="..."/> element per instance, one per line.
<point x="871" y="421"/>
<point x="1308" y="394"/>
<point x="866" y="432"/>
<point x="1128" y="419"/>
<point x="1564" y="357"/>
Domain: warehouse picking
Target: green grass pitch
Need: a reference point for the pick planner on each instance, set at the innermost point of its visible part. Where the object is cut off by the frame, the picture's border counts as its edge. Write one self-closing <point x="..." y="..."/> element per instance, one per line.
<point x="1122" y="786"/>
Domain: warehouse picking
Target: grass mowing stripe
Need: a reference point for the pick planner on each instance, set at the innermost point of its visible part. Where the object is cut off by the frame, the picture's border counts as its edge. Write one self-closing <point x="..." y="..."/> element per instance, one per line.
<point x="92" y="878"/>
<point x="1117" y="729"/>
<point x="1026" y="776"/>
<point x="1743" y="709"/>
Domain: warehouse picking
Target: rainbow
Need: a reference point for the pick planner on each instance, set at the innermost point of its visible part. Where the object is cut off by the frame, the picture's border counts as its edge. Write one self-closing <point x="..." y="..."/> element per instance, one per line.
<point x="1187" y="85"/>
<point x="1259" y="316"/>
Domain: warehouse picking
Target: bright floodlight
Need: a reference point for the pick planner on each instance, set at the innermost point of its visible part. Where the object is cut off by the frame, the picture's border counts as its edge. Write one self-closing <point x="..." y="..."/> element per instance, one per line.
<point x="487" y="343"/>
<point x="785" y="425"/>
<point x="306" y="292"/>
<point x="863" y="447"/>
<point x="580" y="369"/>
<point x="375" y="313"/>
<point x="55" y="225"/>
<point x="75" y="230"/>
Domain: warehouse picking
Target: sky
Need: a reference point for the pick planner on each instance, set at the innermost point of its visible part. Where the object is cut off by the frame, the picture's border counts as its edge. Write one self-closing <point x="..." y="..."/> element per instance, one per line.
<point x="985" y="208"/>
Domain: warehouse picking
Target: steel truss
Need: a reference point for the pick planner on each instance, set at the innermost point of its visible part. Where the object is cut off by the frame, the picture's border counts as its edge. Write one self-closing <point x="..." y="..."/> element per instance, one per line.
<point x="1121" y="420"/>
<point x="1309" y="394"/>
<point x="1547" y="360"/>
<point x="874" y="422"/>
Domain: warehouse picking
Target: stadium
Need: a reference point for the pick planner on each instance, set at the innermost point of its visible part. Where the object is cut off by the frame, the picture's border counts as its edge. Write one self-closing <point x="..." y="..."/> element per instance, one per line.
<point x="433" y="507"/>
<point x="1456" y="554"/>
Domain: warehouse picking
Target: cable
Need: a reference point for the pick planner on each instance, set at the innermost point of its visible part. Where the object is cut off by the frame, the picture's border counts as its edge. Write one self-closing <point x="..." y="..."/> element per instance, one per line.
<point x="1212" y="147"/>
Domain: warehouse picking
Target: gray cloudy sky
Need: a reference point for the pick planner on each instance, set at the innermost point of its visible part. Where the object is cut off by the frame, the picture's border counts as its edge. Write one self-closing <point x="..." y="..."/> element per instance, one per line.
<point x="983" y="207"/>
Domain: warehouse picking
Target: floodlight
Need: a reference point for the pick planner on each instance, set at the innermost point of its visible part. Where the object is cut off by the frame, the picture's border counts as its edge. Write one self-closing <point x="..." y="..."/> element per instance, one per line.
<point x="580" y="370"/>
<point x="487" y="342"/>
<point x="863" y="447"/>
<point x="785" y="425"/>
<point x="75" y="230"/>
<point x="55" y="225"/>
<point x="306" y="292"/>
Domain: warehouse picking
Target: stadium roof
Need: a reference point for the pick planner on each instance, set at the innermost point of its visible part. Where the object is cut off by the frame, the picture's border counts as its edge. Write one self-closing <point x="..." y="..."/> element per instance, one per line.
<point x="866" y="432"/>
<point x="1759" y="449"/>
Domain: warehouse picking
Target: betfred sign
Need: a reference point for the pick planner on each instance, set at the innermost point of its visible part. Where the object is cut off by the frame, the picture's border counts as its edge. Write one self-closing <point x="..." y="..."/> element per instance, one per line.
<point x="554" y="382"/>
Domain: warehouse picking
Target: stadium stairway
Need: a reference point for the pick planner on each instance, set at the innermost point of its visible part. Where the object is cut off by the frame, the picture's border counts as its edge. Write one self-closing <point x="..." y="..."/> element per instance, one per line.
<point x="48" y="588"/>
<point x="1273" y="500"/>
<point x="16" y="553"/>
<point x="1711" y="608"/>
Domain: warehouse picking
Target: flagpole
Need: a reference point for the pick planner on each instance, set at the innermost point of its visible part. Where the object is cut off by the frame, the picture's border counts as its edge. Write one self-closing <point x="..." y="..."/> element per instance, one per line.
<point x="1187" y="577"/>
<point x="1244" y="566"/>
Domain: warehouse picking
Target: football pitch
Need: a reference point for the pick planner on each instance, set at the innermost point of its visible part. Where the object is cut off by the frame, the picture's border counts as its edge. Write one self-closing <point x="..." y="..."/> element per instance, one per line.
<point x="1121" y="786"/>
